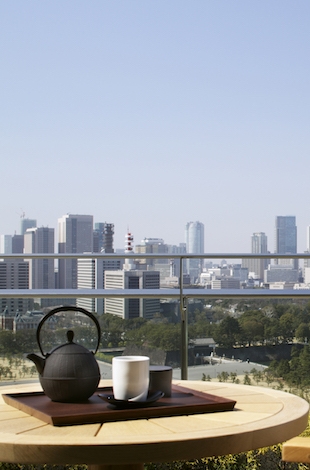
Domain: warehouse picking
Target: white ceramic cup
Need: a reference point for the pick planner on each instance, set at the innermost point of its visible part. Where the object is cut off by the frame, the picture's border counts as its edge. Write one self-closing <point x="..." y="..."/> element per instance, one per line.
<point x="130" y="376"/>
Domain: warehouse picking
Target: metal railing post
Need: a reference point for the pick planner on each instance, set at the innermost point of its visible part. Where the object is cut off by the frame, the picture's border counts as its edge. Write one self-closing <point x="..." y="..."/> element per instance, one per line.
<point x="184" y="327"/>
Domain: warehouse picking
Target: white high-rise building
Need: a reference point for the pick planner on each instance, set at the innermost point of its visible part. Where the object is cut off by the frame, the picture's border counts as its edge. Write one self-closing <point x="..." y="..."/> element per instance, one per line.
<point x="194" y="238"/>
<point x="6" y="244"/>
<point x="91" y="276"/>
<point x="259" y="242"/>
<point x="132" y="279"/>
<point x="75" y="235"/>
<point x="41" y="271"/>
<point x="257" y="266"/>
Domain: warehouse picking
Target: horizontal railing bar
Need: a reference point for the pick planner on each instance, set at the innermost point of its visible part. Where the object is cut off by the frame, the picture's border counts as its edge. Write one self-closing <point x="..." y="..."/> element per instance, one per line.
<point x="155" y="256"/>
<point x="156" y="293"/>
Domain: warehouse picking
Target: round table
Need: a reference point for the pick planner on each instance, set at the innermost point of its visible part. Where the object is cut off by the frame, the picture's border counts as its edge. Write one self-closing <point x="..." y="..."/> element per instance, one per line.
<point x="261" y="417"/>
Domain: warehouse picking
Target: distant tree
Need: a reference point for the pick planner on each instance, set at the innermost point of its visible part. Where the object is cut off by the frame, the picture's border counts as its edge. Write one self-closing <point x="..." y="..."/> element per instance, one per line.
<point x="299" y="368"/>
<point x="287" y="329"/>
<point x="247" y="380"/>
<point x="279" y="310"/>
<point x="227" y="332"/>
<point x="201" y="328"/>
<point x="8" y="344"/>
<point x="166" y="337"/>
<point x="26" y="341"/>
<point x="302" y="332"/>
<point x="257" y="375"/>
<point x="233" y="377"/>
<point x="283" y="368"/>
<point x="251" y="330"/>
<point x="223" y="376"/>
<point x="112" y="328"/>
<point x="295" y="371"/>
<point x="271" y="330"/>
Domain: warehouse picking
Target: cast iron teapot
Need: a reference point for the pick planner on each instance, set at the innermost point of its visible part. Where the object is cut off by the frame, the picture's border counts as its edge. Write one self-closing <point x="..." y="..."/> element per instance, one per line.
<point x="70" y="372"/>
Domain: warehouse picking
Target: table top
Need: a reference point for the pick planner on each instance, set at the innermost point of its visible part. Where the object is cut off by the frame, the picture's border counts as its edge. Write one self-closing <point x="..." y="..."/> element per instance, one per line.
<point x="261" y="417"/>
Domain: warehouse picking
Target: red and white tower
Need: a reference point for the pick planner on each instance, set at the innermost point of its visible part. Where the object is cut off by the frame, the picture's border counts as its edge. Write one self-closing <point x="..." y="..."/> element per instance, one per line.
<point x="129" y="262"/>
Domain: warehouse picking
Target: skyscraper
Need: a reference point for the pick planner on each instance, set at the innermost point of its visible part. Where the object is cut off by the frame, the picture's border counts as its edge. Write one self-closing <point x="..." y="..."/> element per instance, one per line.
<point x="103" y="234"/>
<point x="17" y="243"/>
<point x="132" y="279"/>
<point x="75" y="235"/>
<point x="14" y="274"/>
<point x="26" y="223"/>
<point x="153" y="245"/>
<point x="259" y="242"/>
<point x="258" y="245"/>
<point x="41" y="271"/>
<point x="6" y="244"/>
<point x="91" y="276"/>
<point x="194" y="238"/>
<point x="286" y="239"/>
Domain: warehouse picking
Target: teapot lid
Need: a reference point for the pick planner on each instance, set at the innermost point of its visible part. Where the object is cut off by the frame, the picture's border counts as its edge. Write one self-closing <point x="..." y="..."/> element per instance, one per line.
<point x="70" y="347"/>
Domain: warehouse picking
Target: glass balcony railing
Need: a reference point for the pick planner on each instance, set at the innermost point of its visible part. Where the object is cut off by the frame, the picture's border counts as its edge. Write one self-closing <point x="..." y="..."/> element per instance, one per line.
<point x="181" y="292"/>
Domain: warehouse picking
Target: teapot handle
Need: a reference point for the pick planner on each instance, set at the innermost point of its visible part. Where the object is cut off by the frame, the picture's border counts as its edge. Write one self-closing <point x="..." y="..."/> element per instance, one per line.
<point x="70" y="308"/>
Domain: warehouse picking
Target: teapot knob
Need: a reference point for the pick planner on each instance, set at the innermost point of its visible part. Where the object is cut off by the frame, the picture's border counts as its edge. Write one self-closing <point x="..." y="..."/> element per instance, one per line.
<point x="70" y="335"/>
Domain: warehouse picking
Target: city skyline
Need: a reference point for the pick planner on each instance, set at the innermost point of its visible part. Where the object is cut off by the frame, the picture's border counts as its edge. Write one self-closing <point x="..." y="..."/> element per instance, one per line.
<point x="151" y="114"/>
<point x="79" y="233"/>
<point x="271" y="241"/>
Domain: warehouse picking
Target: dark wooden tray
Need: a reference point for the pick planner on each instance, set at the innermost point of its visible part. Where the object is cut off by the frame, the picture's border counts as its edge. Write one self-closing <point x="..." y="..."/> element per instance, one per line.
<point x="95" y="410"/>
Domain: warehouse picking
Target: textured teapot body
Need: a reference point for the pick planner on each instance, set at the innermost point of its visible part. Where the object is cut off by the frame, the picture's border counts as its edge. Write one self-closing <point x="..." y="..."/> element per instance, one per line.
<point x="69" y="373"/>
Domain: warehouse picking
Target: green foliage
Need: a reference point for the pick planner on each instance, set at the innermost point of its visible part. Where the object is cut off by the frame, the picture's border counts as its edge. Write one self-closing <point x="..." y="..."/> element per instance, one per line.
<point x="16" y="466"/>
<point x="302" y="332"/>
<point x="112" y="328"/>
<point x="104" y="357"/>
<point x="8" y="344"/>
<point x="223" y="376"/>
<point x="164" y="336"/>
<point x="287" y="327"/>
<point x="262" y="459"/>
<point x="258" y="375"/>
<point x="233" y="377"/>
<point x="206" y="378"/>
<point x="254" y="322"/>
<point x="227" y="332"/>
<point x="295" y="372"/>
<point x="15" y="367"/>
<point x="251" y="327"/>
<point x="268" y="458"/>
<point x="247" y="380"/>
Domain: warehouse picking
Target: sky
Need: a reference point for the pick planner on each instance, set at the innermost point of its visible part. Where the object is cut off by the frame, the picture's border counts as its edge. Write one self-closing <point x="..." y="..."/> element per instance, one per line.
<point x="150" y="114"/>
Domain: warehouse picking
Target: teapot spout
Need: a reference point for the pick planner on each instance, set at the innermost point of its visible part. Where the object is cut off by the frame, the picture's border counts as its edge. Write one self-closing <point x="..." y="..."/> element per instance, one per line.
<point x="38" y="360"/>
